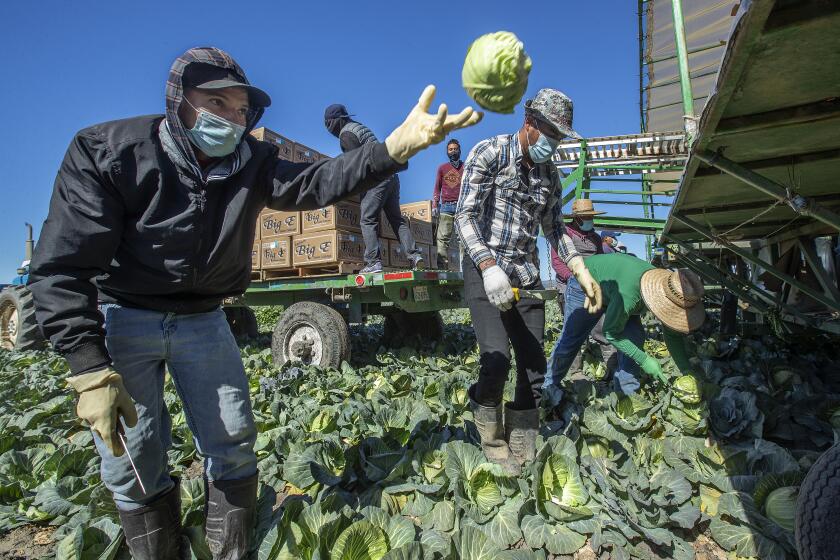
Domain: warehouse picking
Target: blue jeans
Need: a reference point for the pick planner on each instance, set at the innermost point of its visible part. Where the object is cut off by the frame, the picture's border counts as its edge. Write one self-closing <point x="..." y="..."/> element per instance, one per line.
<point x="577" y="324"/>
<point x="448" y="208"/>
<point x="202" y="357"/>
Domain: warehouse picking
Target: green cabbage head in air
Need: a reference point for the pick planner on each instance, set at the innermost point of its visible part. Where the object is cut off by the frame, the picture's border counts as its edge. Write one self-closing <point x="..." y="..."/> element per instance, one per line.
<point x="496" y="71"/>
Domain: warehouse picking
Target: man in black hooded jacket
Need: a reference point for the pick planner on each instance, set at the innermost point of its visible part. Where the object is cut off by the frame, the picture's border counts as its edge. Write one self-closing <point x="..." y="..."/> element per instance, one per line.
<point x="150" y="227"/>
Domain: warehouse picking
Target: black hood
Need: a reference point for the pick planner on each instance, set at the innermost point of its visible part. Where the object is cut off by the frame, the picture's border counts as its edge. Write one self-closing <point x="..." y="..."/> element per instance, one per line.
<point x="175" y="93"/>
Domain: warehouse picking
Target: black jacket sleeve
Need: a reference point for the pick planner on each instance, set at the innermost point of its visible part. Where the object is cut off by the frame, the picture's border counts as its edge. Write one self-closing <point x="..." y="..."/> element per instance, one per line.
<point x="297" y="186"/>
<point x="77" y="242"/>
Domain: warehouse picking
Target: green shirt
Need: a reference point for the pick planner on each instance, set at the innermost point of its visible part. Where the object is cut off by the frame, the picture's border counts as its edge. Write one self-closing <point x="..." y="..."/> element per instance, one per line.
<point x="620" y="277"/>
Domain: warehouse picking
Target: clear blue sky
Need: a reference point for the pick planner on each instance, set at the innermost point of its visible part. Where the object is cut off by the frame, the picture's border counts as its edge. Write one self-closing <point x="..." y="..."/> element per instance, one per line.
<point x="68" y="65"/>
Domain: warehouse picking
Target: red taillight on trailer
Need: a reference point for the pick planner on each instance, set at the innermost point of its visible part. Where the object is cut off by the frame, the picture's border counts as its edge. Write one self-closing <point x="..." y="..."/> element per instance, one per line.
<point x="360" y="280"/>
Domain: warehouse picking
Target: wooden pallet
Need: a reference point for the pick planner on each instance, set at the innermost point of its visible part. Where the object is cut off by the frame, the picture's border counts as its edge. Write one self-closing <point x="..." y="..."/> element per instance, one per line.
<point x="275" y="274"/>
<point x="301" y="272"/>
<point x="337" y="268"/>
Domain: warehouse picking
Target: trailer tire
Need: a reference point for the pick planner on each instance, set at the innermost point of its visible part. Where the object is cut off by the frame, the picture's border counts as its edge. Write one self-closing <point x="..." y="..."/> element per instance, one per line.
<point x="411" y="329"/>
<point x="242" y="322"/>
<point x="311" y="333"/>
<point x="817" y="509"/>
<point x="18" y="328"/>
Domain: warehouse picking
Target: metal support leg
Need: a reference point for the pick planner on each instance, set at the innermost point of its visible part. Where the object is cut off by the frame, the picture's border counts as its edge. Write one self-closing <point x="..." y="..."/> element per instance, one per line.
<point x="685" y="71"/>
<point x="816" y="266"/>
<point x="800" y="204"/>
<point x="749" y="257"/>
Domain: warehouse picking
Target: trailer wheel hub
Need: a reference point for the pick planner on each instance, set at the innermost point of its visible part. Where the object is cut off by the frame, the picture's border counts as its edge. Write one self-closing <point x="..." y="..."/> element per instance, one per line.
<point x="304" y="344"/>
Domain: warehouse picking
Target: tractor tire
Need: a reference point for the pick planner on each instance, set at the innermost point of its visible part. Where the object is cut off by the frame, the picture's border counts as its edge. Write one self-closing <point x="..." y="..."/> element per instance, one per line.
<point x="242" y="322"/>
<point x="311" y="334"/>
<point x="411" y="329"/>
<point x="818" y="509"/>
<point x="18" y="328"/>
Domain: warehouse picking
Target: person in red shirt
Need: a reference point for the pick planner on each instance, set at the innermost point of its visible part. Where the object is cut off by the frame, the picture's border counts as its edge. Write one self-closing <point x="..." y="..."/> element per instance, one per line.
<point x="445" y="199"/>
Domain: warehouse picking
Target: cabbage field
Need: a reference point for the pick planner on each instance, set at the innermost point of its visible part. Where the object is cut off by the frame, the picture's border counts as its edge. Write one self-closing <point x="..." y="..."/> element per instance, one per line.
<point x="379" y="460"/>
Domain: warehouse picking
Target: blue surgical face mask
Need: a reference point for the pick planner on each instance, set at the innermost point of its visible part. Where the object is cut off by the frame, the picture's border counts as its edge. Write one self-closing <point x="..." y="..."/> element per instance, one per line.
<point x="213" y="135"/>
<point x="542" y="150"/>
<point x="587" y="225"/>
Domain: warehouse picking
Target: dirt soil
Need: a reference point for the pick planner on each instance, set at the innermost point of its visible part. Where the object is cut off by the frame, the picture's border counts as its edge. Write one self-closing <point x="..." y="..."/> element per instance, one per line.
<point x="29" y="542"/>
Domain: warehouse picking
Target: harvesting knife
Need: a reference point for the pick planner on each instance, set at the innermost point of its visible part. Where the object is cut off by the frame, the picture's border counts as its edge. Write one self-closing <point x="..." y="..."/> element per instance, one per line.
<point x="121" y="433"/>
<point x="544" y="295"/>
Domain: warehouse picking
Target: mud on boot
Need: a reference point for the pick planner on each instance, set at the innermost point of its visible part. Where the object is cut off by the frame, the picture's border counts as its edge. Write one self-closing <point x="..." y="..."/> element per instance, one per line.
<point x="488" y="421"/>
<point x="521" y="429"/>
<point x="230" y="509"/>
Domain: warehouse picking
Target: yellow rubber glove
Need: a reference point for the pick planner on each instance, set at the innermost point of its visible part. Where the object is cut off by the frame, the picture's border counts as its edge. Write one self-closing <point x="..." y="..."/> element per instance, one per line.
<point x="421" y="129"/>
<point x="650" y="366"/>
<point x="102" y="400"/>
<point x="590" y="287"/>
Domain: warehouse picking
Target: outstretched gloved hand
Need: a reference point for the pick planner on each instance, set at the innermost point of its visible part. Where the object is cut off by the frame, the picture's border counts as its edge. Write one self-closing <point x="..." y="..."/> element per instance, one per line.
<point x="421" y="129"/>
<point x="102" y="400"/>
<point x="497" y="287"/>
<point x="590" y="287"/>
<point x="650" y="366"/>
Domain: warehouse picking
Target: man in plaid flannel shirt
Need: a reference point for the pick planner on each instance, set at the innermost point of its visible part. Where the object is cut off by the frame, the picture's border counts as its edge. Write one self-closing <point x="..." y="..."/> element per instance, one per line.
<point x="509" y="190"/>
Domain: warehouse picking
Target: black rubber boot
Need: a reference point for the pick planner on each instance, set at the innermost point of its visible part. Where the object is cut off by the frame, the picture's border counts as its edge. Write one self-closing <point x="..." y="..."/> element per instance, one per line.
<point x="488" y="421"/>
<point x="153" y="532"/>
<point x="521" y="429"/>
<point x="229" y="510"/>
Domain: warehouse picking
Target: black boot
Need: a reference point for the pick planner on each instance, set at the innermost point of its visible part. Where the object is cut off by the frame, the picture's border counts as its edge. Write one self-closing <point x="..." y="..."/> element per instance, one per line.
<point x="230" y="509"/>
<point x="153" y="532"/>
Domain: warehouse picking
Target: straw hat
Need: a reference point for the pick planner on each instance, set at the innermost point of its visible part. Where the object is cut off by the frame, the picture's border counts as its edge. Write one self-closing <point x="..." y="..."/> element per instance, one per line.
<point x="583" y="207"/>
<point x="675" y="297"/>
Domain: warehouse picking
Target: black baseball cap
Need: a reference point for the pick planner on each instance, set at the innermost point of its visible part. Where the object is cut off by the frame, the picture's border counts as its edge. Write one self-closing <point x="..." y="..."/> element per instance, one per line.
<point x="336" y="111"/>
<point x="207" y="76"/>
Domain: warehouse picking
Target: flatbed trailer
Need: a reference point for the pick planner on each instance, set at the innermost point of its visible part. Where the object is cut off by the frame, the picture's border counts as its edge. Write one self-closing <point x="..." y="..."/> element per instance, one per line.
<point x="317" y="310"/>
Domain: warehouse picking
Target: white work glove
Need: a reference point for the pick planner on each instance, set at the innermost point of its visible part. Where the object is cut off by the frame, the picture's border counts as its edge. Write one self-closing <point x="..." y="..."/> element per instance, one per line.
<point x="421" y="129"/>
<point x="497" y="287"/>
<point x="587" y="283"/>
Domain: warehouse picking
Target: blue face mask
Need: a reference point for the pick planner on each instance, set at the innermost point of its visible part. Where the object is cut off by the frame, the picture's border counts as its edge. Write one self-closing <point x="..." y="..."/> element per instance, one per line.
<point x="587" y="225"/>
<point x="542" y="150"/>
<point x="213" y="135"/>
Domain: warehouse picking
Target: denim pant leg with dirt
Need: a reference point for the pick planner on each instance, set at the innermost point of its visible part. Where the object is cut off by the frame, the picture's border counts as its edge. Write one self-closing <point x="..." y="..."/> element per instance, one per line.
<point x="577" y="324"/>
<point x="205" y="365"/>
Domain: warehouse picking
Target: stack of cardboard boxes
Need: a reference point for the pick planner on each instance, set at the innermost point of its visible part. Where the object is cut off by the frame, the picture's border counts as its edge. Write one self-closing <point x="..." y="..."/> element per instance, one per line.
<point x="330" y="239"/>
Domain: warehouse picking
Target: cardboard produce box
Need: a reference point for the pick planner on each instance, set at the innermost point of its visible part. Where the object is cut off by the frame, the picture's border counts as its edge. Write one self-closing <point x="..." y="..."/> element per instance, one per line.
<point x="304" y="154"/>
<point x="255" y="256"/>
<point x="273" y="223"/>
<point x="343" y="215"/>
<point x="326" y="248"/>
<point x="397" y="259"/>
<point x="384" y="253"/>
<point x="276" y="252"/>
<point x="418" y="210"/>
<point x="422" y="231"/>
<point x="286" y="146"/>
<point x="385" y="227"/>
<point x="454" y="256"/>
<point x="257" y="229"/>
